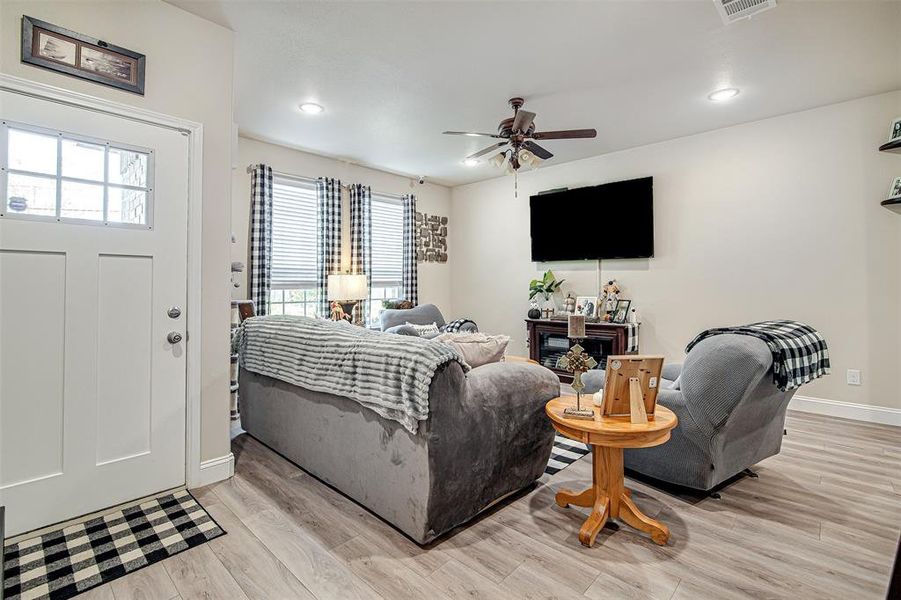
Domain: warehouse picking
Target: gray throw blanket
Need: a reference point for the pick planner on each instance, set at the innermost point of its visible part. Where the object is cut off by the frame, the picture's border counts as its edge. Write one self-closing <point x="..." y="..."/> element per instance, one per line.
<point x="389" y="374"/>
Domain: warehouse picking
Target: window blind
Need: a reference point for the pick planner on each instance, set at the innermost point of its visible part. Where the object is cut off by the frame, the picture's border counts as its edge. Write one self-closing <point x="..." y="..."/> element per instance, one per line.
<point x="294" y="226"/>
<point x="387" y="241"/>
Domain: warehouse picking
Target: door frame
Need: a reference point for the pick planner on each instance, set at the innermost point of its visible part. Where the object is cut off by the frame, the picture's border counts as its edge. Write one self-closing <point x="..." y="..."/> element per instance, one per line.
<point x="194" y="132"/>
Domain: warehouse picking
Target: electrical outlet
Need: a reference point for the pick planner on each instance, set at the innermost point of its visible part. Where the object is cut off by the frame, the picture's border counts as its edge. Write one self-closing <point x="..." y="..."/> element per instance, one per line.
<point x="853" y="377"/>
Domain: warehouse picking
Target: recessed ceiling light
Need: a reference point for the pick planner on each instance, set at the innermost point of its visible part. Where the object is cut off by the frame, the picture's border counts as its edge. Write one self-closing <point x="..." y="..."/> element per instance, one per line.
<point x="470" y="162"/>
<point x="723" y="95"/>
<point x="311" y="108"/>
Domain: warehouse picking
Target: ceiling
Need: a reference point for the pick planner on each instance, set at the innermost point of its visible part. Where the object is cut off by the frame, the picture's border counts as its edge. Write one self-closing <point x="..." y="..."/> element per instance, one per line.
<point x="393" y="75"/>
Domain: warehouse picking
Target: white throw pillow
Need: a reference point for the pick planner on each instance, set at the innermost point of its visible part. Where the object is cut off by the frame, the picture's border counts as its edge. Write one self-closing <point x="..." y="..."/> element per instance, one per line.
<point x="425" y="331"/>
<point x="477" y="349"/>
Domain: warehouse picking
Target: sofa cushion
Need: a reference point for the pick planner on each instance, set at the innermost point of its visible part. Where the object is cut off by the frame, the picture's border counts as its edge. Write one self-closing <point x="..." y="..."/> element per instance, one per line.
<point x="477" y="349"/>
<point x="426" y="331"/>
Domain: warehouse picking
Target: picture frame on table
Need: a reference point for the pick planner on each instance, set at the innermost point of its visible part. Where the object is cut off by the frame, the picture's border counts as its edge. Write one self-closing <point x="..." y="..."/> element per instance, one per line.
<point x="586" y="305"/>
<point x="895" y="190"/>
<point x="64" y="51"/>
<point x="621" y="312"/>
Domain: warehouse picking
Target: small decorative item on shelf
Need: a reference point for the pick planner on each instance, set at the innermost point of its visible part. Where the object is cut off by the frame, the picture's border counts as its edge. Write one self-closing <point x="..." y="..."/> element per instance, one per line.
<point x="621" y="312"/>
<point x="545" y="287"/>
<point x="534" y="311"/>
<point x="895" y="190"/>
<point x="577" y="362"/>
<point x="569" y="304"/>
<point x="895" y="132"/>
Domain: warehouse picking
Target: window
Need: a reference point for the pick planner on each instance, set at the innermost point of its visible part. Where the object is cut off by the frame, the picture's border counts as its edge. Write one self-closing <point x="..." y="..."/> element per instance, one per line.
<point x="294" y="245"/>
<point x="52" y="175"/>
<point x="387" y="251"/>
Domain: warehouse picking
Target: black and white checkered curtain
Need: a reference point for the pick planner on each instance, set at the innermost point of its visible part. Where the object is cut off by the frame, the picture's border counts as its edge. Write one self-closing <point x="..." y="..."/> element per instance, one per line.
<point x="410" y="282"/>
<point x="361" y="239"/>
<point x="260" y="237"/>
<point x="328" y="253"/>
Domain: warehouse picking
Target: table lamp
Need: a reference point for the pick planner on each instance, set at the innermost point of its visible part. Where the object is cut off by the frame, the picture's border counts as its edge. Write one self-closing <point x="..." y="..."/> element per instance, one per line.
<point x="347" y="290"/>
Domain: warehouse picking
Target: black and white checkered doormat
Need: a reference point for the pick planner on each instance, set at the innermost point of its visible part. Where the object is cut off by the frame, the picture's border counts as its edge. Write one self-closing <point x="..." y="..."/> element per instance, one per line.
<point x="71" y="560"/>
<point x="564" y="453"/>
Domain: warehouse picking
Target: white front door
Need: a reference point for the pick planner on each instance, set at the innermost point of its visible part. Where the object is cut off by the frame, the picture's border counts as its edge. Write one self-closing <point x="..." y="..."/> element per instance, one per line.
<point x="93" y="255"/>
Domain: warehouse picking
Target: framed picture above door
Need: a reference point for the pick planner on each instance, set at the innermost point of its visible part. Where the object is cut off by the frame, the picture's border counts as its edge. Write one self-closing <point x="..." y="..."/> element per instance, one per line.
<point x="59" y="49"/>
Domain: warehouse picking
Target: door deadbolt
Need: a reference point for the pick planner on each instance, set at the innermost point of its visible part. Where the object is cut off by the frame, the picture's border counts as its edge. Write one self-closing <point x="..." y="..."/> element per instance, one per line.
<point x="174" y="337"/>
<point x="174" y="312"/>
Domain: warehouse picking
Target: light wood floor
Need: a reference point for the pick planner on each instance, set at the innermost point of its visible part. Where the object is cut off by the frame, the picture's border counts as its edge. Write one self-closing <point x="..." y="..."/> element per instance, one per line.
<point x="821" y="521"/>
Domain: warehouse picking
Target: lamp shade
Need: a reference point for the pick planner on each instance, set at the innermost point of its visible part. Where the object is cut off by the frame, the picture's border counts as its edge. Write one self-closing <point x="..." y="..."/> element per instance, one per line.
<point x="344" y="286"/>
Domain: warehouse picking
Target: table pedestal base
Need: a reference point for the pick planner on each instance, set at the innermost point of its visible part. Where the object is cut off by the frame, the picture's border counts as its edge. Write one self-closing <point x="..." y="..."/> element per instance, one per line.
<point x="609" y="499"/>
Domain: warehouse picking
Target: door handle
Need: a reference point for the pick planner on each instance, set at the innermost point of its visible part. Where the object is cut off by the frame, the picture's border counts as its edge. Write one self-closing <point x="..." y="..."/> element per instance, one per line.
<point x="174" y="337"/>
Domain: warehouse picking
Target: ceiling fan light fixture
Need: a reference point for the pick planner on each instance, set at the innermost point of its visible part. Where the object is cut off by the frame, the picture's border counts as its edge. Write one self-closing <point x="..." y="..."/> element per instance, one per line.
<point x="723" y="95"/>
<point x="498" y="159"/>
<point x="311" y="108"/>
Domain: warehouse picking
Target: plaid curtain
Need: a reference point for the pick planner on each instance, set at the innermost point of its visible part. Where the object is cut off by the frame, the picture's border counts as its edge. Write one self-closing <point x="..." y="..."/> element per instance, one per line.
<point x="260" y="237"/>
<point x="361" y="239"/>
<point x="328" y="253"/>
<point x="410" y="284"/>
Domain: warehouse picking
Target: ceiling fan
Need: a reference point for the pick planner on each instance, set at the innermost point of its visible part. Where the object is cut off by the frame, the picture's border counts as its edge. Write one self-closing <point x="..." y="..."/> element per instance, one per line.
<point x="518" y="133"/>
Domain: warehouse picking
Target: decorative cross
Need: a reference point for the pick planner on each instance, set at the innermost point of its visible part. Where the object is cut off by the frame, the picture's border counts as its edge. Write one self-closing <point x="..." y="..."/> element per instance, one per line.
<point x="577" y="362"/>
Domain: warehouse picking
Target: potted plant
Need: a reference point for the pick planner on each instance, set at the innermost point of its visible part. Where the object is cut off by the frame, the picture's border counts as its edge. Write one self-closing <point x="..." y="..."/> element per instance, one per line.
<point x="545" y="287"/>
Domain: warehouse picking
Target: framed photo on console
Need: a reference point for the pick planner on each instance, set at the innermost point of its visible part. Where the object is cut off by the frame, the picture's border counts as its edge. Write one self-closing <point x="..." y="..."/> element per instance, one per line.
<point x="586" y="305"/>
<point x="621" y="312"/>
<point x="58" y="49"/>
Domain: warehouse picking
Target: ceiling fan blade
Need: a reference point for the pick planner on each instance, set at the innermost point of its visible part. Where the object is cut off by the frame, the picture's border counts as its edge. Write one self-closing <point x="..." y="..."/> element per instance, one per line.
<point x="523" y="120"/>
<point x="473" y="134"/>
<point x="566" y="134"/>
<point x="485" y="151"/>
<point x="537" y="150"/>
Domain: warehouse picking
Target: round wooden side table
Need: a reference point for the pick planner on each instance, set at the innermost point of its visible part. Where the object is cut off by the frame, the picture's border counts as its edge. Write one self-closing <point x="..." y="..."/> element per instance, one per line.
<point x="607" y="497"/>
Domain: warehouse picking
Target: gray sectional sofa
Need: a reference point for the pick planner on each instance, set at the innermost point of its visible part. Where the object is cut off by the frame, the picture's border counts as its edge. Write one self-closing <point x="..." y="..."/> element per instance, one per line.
<point x="731" y="414"/>
<point x="486" y="437"/>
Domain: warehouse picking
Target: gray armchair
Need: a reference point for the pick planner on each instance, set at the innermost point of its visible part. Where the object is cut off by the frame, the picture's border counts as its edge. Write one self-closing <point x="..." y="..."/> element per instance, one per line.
<point x="394" y="320"/>
<point x="731" y="414"/>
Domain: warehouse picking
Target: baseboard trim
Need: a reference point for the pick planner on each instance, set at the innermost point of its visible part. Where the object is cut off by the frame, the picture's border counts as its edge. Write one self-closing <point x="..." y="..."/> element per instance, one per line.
<point x="847" y="410"/>
<point x="216" y="469"/>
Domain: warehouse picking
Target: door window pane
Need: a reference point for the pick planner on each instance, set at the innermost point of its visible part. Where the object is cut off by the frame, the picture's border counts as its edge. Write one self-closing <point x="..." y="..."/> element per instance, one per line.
<point x="127" y="206"/>
<point x="30" y="151"/>
<point x="82" y="201"/>
<point x="27" y="195"/>
<point x="83" y="160"/>
<point x="127" y="167"/>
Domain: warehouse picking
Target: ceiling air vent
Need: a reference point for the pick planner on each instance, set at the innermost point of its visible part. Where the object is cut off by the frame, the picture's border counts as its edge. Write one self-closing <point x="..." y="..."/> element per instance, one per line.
<point x="736" y="10"/>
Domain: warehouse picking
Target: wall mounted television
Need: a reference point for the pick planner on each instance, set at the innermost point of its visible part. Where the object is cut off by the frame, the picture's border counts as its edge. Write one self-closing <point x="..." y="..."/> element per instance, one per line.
<point x="612" y="220"/>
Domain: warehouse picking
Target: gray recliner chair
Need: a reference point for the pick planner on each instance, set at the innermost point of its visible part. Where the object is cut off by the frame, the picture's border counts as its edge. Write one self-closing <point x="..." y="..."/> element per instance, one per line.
<point x="394" y="320"/>
<point x="731" y="414"/>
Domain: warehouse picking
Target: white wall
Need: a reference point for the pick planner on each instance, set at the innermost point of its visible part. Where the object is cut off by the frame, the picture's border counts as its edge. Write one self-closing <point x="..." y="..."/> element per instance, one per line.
<point x="189" y="75"/>
<point x="434" y="278"/>
<point x="774" y="219"/>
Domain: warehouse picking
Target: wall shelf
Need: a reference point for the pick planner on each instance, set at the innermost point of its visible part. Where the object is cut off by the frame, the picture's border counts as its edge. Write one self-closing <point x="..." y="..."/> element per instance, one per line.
<point x="893" y="146"/>
<point x="893" y="204"/>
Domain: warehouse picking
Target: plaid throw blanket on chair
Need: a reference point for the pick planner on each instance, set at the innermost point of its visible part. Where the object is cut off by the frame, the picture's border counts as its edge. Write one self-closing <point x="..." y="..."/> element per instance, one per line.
<point x="455" y="326"/>
<point x="799" y="351"/>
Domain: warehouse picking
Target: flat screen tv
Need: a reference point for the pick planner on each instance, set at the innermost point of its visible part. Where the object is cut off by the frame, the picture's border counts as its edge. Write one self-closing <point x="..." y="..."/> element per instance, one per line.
<point x="613" y="220"/>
